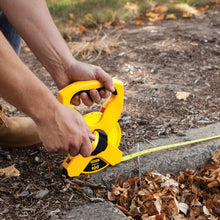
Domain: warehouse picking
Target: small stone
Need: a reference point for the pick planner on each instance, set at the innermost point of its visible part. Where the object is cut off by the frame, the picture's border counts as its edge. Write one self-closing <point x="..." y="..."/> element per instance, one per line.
<point x="209" y="68"/>
<point x="163" y="54"/>
<point x="126" y="118"/>
<point x="152" y="70"/>
<point x="37" y="159"/>
<point x="53" y="213"/>
<point x="180" y="133"/>
<point x="87" y="190"/>
<point x="42" y="193"/>
<point x="5" y="211"/>
<point x="197" y="80"/>
<point x="96" y="200"/>
<point x="192" y="69"/>
<point x="139" y="80"/>
<point x="121" y="54"/>
<point x="204" y="122"/>
<point x="23" y="194"/>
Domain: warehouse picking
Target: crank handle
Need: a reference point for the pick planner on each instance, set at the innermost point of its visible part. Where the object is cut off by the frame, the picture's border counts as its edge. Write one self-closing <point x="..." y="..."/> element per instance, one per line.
<point x="66" y="95"/>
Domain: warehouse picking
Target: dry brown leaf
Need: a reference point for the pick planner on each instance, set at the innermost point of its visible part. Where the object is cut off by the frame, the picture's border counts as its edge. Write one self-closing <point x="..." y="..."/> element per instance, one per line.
<point x="107" y="23"/>
<point x="152" y="15"/>
<point x="182" y="95"/>
<point x="15" y="196"/>
<point x="71" y="16"/>
<point x="10" y="171"/>
<point x="81" y="28"/>
<point x="88" y="16"/>
<point x="204" y="8"/>
<point x="183" y="207"/>
<point x="69" y="22"/>
<point x="110" y="196"/>
<point x="215" y="183"/>
<point x="120" y="180"/>
<point x="187" y="10"/>
<point x="142" y="192"/>
<point x="170" y="17"/>
<point x="183" y="7"/>
<point x="161" y="217"/>
<point x="215" y="157"/>
<point x="133" y="207"/>
<point x="115" y="190"/>
<point x="158" y="202"/>
<point x="187" y="15"/>
<point x="123" y="209"/>
<point x="155" y="217"/>
<point x="160" y="9"/>
<point x="26" y="49"/>
<point x="169" y="182"/>
<point x="139" y="22"/>
<point x="206" y="211"/>
<point x="107" y="50"/>
<point x="140" y="17"/>
<point x="132" y="7"/>
<point x="194" y="188"/>
<point x="124" y="198"/>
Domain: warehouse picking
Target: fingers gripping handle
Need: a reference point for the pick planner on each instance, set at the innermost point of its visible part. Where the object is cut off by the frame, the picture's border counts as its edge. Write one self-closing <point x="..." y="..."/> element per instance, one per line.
<point x="111" y="109"/>
<point x="66" y="94"/>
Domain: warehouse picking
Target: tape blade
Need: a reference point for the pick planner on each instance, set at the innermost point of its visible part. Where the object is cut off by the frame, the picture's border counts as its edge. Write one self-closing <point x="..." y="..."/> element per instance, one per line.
<point x="134" y="155"/>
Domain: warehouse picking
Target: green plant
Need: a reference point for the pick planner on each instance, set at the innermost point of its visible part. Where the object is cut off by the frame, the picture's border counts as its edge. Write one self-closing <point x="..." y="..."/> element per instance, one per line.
<point x="110" y="10"/>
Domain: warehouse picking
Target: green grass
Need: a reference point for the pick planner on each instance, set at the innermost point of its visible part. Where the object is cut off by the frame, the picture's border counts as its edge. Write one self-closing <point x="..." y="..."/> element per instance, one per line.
<point x="101" y="10"/>
<point x="108" y="10"/>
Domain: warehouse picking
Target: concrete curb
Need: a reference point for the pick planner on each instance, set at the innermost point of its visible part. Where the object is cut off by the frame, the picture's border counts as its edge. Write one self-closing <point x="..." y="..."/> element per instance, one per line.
<point x="168" y="161"/>
<point x="96" y="211"/>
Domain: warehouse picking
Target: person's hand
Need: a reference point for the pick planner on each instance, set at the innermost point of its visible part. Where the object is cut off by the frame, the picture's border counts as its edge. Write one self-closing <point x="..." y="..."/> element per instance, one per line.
<point x="79" y="71"/>
<point x="65" y="131"/>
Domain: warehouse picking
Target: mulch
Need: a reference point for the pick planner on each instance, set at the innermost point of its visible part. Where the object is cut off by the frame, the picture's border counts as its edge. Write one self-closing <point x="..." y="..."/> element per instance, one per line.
<point x="155" y="62"/>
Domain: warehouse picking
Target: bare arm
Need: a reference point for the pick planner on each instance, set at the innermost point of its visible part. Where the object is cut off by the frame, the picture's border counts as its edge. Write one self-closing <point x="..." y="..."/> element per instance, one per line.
<point x="33" y="22"/>
<point x="18" y="85"/>
<point x="61" y="129"/>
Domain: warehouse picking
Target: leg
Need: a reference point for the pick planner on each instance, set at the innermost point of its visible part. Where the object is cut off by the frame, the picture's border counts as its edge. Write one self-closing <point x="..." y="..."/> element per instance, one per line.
<point x="15" y="131"/>
<point x="10" y="33"/>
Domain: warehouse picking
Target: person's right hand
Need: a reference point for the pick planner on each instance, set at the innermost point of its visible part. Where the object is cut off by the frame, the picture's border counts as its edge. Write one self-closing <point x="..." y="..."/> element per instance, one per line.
<point x="80" y="71"/>
<point x="65" y="131"/>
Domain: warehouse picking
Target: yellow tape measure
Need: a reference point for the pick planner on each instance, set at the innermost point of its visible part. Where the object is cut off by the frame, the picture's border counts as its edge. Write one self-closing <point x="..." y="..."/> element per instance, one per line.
<point x="131" y="156"/>
<point x="104" y="124"/>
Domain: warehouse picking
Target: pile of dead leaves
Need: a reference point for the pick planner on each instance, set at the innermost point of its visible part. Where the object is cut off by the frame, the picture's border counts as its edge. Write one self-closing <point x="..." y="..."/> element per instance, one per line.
<point x="191" y="195"/>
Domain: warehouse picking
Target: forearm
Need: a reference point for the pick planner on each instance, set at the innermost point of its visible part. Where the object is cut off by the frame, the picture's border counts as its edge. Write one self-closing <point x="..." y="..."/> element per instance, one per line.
<point x="20" y="87"/>
<point x="33" y="22"/>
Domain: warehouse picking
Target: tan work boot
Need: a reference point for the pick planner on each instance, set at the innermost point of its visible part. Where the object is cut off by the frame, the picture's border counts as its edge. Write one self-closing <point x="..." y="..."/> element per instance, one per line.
<point x="17" y="131"/>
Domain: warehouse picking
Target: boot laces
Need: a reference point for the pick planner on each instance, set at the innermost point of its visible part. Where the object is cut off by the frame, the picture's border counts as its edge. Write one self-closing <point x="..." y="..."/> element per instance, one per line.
<point x="3" y="122"/>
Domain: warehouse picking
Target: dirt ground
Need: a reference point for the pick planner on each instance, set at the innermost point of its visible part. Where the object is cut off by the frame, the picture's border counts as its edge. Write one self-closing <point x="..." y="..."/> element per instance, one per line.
<point x="155" y="61"/>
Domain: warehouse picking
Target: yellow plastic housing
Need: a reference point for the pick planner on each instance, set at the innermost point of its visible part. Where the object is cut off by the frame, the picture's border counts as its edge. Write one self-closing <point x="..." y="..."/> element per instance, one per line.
<point x="106" y="120"/>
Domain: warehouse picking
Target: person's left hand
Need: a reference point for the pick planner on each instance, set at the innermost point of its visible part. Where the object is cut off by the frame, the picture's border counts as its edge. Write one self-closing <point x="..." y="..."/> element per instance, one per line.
<point x="80" y="71"/>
